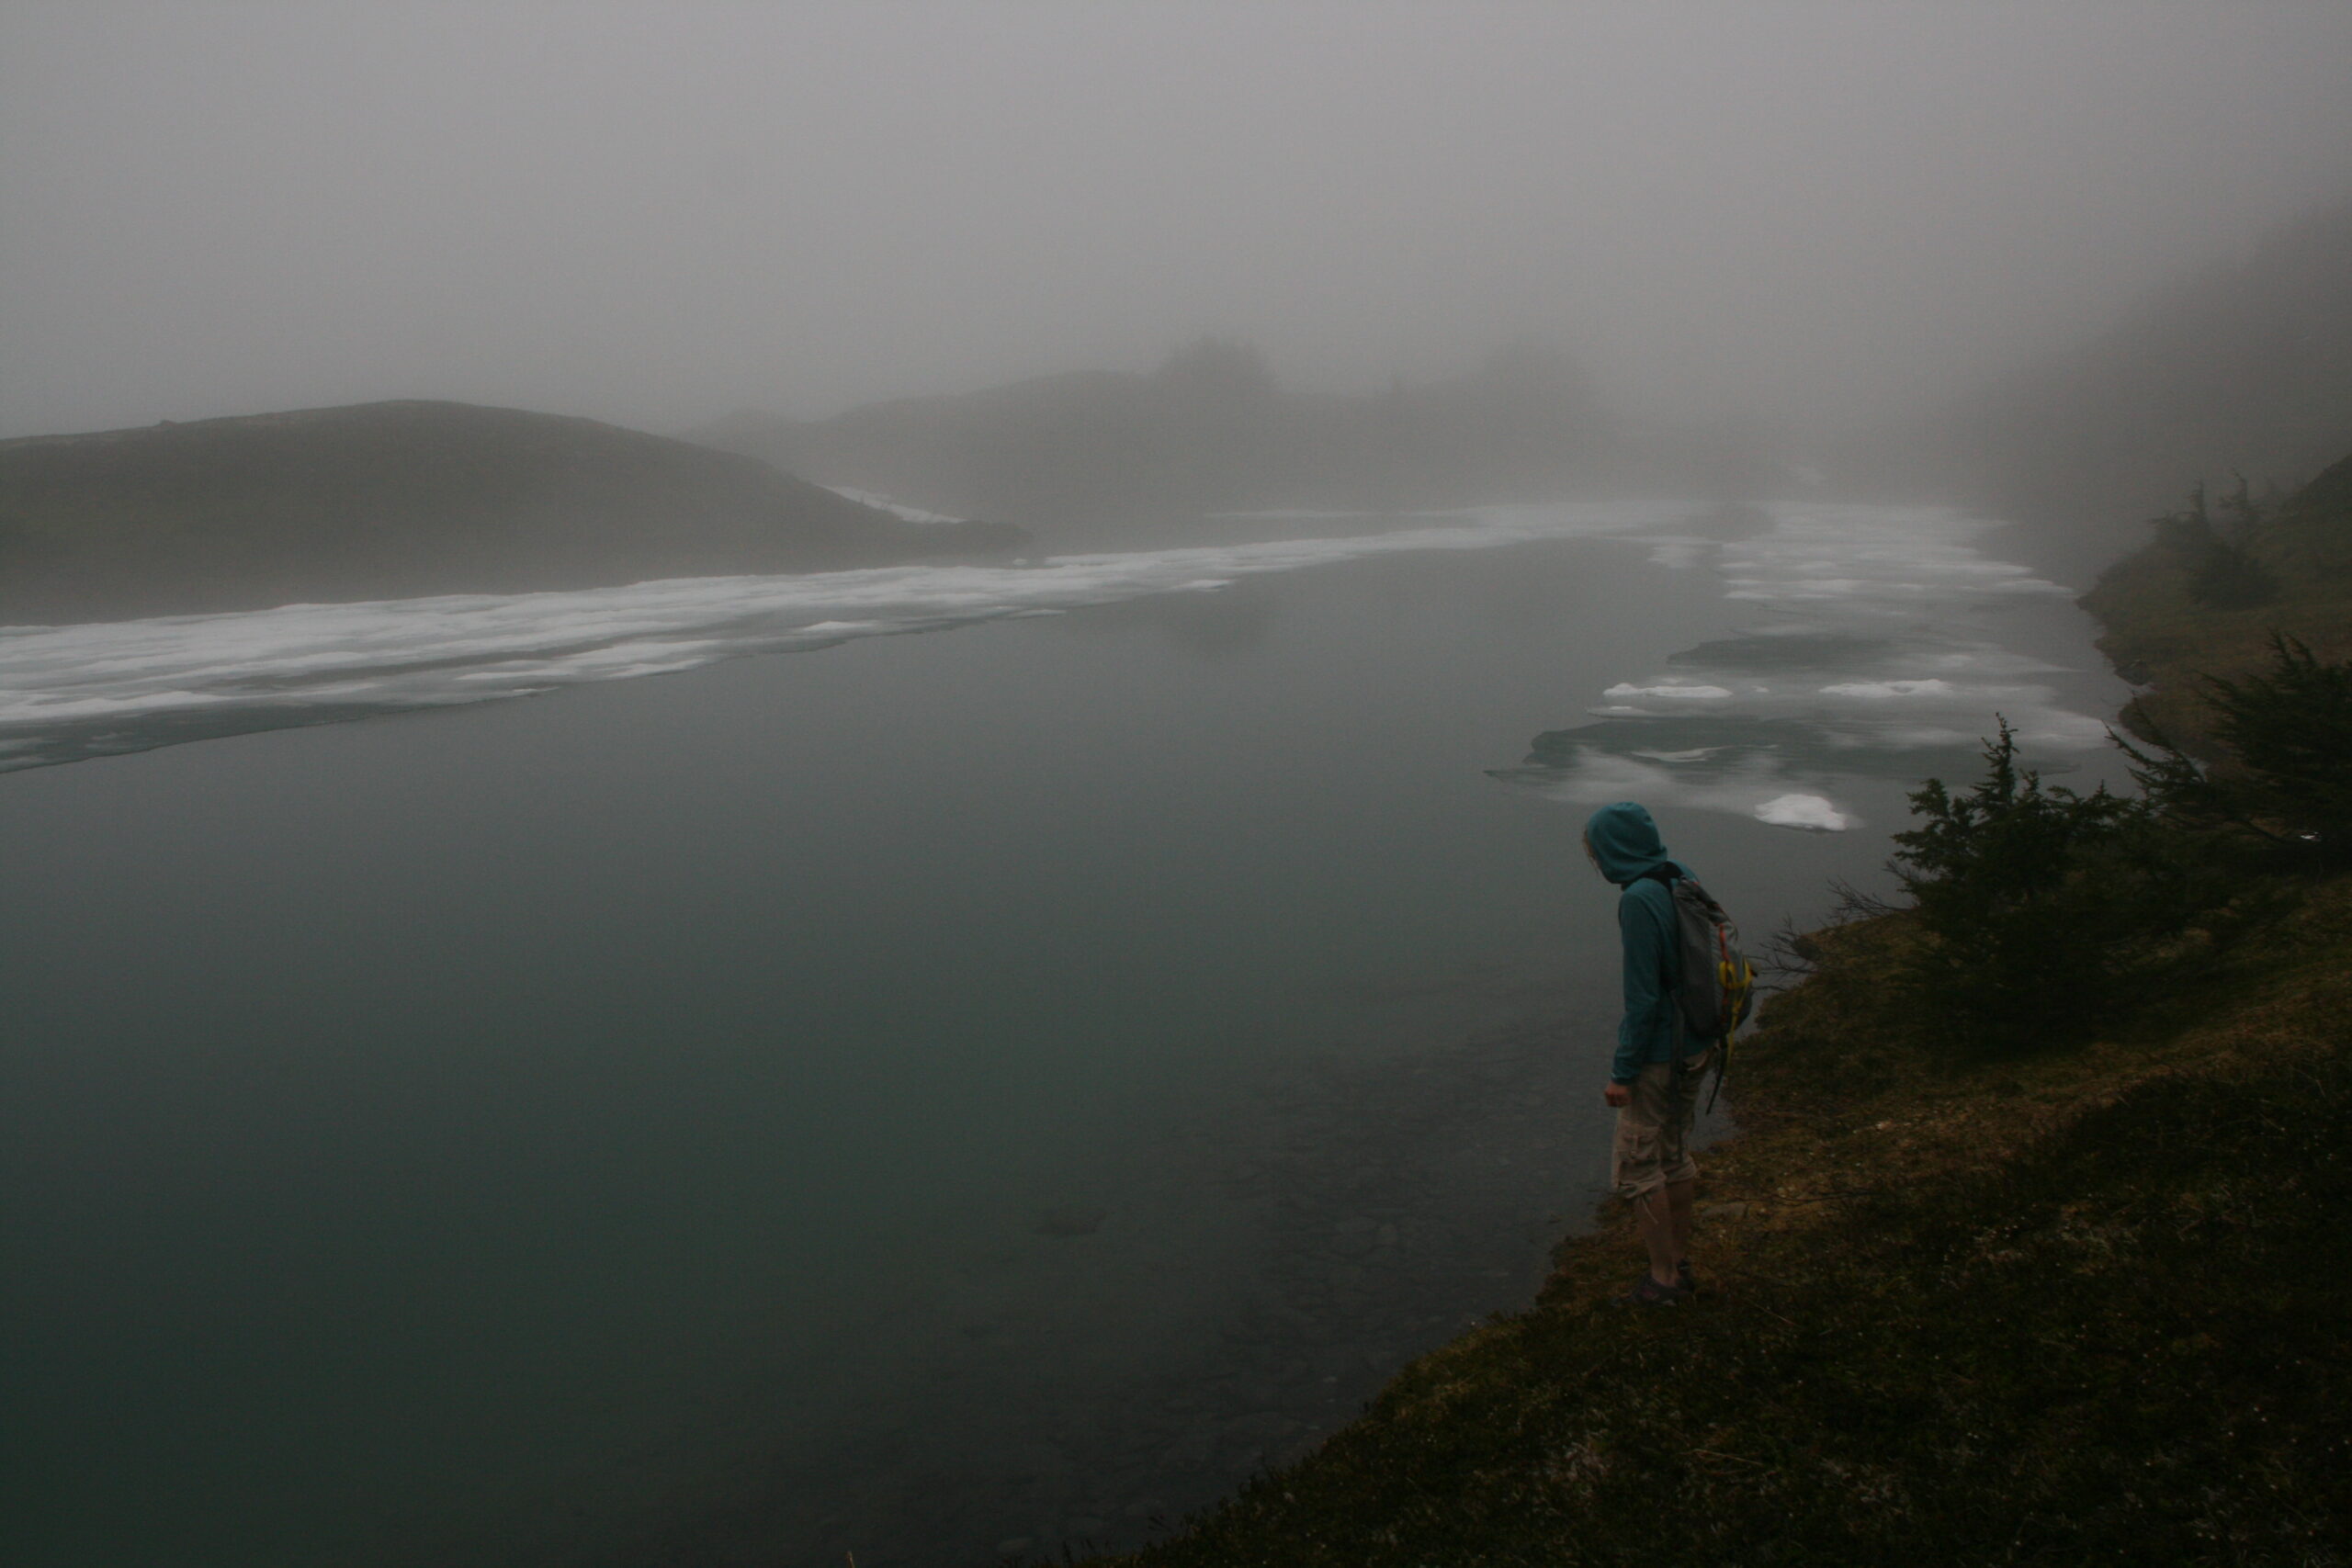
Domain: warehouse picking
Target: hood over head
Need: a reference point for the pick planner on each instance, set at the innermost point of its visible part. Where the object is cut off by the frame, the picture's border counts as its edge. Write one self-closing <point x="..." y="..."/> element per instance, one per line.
<point x="1624" y="841"/>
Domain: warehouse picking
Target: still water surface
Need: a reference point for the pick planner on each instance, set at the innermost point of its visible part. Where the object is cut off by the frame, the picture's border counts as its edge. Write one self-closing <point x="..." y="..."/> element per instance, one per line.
<point x="888" y="1097"/>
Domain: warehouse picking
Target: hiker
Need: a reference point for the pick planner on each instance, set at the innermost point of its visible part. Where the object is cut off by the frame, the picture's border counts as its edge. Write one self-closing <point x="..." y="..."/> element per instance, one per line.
<point x="1656" y="1096"/>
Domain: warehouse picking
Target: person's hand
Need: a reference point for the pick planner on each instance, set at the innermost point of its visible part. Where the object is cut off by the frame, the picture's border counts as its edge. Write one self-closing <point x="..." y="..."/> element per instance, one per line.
<point x="1619" y="1094"/>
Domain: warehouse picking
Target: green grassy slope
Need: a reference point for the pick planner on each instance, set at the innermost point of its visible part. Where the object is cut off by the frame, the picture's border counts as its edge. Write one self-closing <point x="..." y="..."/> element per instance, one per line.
<point x="390" y="500"/>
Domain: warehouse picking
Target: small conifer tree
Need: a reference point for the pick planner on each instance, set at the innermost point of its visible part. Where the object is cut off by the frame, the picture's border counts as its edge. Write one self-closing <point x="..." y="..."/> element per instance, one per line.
<point x="2022" y="892"/>
<point x="2222" y="571"/>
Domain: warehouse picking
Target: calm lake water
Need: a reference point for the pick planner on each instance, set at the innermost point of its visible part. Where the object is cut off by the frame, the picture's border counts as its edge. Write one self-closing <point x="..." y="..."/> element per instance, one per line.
<point x="926" y="1095"/>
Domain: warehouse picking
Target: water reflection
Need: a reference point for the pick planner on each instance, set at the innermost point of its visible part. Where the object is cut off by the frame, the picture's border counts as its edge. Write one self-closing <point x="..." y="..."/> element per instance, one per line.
<point x="1234" y="620"/>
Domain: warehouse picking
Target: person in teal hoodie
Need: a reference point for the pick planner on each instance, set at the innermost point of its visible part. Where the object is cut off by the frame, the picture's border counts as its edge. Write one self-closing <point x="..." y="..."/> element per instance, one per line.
<point x="1650" y="1159"/>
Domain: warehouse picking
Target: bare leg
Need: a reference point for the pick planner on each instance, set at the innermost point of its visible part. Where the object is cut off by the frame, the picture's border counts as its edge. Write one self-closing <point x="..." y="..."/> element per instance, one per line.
<point x="1654" y="1216"/>
<point x="1677" y="1202"/>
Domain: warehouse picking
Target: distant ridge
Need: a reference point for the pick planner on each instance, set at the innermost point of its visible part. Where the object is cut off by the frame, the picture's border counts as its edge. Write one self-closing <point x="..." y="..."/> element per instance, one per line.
<point x="1209" y="430"/>
<point x="396" y="500"/>
<point x="2247" y="366"/>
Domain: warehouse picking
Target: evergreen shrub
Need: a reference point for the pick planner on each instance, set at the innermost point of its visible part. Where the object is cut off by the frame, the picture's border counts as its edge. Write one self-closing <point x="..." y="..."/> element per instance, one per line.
<point x="2034" y="901"/>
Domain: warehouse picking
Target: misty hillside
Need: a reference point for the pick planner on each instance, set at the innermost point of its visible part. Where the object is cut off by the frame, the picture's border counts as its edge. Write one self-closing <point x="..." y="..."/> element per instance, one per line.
<point x="1209" y="430"/>
<point x="400" y="499"/>
<point x="2245" y="368"/>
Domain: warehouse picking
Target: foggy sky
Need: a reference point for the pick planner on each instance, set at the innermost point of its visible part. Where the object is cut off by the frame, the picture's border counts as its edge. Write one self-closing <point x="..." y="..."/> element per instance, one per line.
<point x="655" y="213"/>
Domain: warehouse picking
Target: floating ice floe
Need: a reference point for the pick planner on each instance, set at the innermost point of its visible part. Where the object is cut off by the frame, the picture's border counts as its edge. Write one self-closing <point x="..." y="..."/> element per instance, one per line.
<point x="1890" y="689"/>
<point x="1758" y="789"/>
<point x="1880" y="615"/>
<point x="1811" y="812"/>
<point x="1309" y="514"/>
<point x="1626" y="692"/>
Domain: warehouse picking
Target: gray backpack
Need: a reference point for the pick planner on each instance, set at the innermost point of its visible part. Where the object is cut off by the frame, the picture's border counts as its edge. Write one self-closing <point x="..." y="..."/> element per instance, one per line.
<point x="1714" y="987"/>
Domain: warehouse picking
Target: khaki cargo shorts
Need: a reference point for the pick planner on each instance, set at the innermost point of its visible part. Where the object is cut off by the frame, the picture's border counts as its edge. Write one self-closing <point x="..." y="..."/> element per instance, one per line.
<point x="1654" y="1132"/>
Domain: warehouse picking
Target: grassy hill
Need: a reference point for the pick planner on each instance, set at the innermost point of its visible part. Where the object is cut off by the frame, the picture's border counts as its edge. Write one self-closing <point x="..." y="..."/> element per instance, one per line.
<point x="2081" y="1299"/>
<point x="400" y="499"/>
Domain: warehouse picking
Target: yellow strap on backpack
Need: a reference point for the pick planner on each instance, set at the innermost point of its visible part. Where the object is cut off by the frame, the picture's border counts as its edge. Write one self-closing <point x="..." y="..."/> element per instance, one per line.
<point x="1737" y="981"/>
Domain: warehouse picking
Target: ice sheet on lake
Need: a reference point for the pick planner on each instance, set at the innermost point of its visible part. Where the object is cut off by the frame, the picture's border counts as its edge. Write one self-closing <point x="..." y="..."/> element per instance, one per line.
<point x="1877" y="653"/>
<point x="1625" y="691"/>
<point x="69" y="692"/>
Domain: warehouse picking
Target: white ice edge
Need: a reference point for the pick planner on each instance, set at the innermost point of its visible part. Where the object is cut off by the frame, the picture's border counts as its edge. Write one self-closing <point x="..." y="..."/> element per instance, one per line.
<point x="392" y="654"/>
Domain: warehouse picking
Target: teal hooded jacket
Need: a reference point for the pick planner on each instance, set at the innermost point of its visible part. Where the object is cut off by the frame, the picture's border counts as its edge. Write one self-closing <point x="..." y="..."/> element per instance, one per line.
<point x="1624" y="842"/>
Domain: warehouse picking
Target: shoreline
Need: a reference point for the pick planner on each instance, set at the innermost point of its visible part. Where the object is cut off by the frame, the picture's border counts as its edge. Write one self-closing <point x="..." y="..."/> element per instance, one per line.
<point x="1831" y="1306"/>
<point x="2054" y="1305"/>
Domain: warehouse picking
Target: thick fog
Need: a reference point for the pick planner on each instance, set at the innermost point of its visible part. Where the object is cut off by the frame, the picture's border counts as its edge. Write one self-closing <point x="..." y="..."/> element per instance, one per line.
<point x="657" y="213"/>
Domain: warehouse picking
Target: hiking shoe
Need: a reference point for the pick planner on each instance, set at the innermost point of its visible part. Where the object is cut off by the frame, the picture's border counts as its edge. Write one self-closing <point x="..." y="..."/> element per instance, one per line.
<point x="1685" y="1278"/>
<point x="1648" y="1293"/>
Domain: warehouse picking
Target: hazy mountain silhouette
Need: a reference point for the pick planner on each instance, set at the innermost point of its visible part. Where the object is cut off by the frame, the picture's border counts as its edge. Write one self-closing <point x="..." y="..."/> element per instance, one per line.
<point x="2247" y="366"/>
<point x="400" y="499"/>
<point x="1209" y="430"/>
